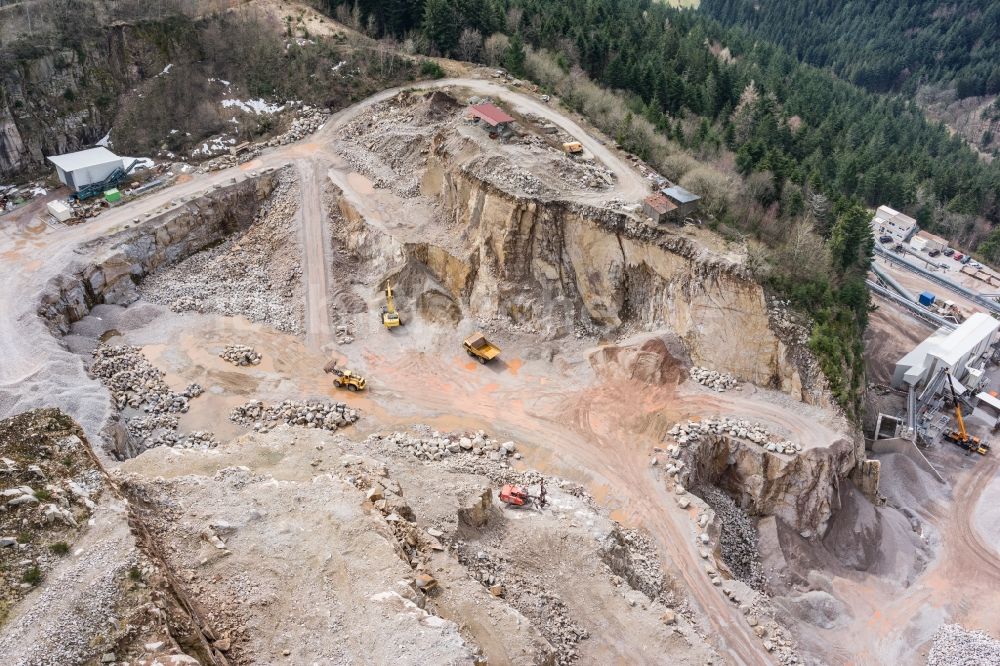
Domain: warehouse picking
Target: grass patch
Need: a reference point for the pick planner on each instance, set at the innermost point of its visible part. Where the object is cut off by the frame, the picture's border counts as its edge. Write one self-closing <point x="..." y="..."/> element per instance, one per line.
<point x="134" y="574"/>
<point x="33" y="576"/>
<point x="59" y="547"/>
<point x="25" y="536"/>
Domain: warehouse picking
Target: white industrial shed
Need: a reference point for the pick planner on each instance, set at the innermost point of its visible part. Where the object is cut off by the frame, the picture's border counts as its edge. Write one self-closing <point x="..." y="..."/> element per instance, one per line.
<point x="953" y="351"/>
<point x="82" y="168"/>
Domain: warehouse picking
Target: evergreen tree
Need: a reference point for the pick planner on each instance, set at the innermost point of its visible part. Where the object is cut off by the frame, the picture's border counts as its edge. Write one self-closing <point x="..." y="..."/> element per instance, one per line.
<point x="441" y="26"/>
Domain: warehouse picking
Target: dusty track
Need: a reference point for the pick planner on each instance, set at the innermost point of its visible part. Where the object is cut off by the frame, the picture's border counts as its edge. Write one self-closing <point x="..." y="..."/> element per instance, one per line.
<point x="314" y="255"/>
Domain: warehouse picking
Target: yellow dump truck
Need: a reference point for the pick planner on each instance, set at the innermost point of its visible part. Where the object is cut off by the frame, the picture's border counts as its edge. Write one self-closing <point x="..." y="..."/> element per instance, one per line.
<point x="477" y="346"/>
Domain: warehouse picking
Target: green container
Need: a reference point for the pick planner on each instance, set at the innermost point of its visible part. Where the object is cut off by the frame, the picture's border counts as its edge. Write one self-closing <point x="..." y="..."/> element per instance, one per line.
<point x="111" y="196"/>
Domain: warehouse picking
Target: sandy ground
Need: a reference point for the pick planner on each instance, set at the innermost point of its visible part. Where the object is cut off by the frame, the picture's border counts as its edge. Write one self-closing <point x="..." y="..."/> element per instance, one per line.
<point x="892" y="333"/>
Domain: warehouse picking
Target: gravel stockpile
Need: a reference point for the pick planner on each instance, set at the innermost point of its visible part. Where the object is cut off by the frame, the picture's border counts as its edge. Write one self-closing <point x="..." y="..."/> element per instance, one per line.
<point x="440" y="446"/>
<point x="256" y="273"/>
<point x="312" y="414"/>
<point x="955" y="646"/>
<point x="738" y="540"/>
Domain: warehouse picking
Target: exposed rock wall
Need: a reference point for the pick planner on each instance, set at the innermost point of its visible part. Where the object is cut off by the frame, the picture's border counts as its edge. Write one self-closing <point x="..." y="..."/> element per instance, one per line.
<point x="60" y="100"/>
<point x="562" y="266"/>
<point x="124" y="259"/>
<point x="802" y="490"/>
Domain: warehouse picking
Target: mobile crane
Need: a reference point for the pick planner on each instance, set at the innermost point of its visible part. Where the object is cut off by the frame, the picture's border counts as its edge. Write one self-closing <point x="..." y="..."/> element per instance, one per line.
<point x="961" y="437"/>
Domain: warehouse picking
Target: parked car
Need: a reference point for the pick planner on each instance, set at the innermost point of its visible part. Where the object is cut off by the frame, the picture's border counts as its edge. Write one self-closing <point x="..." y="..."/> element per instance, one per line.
<point x="958" y="256"/>
<point x="948" y="252"/>
<point x="885" y="239"/>
<point x="975" y="264"/>
<point x="966" y="259"/>
<point x="934" y="253"/>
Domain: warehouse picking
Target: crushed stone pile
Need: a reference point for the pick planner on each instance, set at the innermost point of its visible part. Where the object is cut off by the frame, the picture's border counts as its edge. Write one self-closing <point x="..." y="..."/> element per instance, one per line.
<point x="197" y="439"/>
<point x="738" y="540"/>
<point x="956" y="646"/>
<point x="311" y="414"/>
<point x="134" y="382"/>
<point x="241" y="355"/>
<point x="256" y="273"/>
<point x="693" y="431"/>
<point x="720" y="381"/>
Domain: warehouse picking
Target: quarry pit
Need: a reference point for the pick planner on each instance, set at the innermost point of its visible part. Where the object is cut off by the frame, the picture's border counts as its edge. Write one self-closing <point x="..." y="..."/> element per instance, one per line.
<point x="702" y="482"/>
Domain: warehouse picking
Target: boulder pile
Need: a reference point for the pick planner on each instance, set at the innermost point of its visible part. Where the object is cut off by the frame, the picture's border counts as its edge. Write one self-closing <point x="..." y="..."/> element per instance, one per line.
<point x="308" y="120"/>
<point x="719" y="381"/>
<point x="693" y="431"/>
<point x="311" y="414"/>
<point x="439" y="446"/>
<point x="134" y="382"/>
<point x="197" y="439"/>
<point x="240" y="355"/>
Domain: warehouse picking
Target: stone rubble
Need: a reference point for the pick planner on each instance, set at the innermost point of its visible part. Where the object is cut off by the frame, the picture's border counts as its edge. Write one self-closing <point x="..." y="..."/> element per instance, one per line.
<point x="719" y="381"/>
<point x="134" y="385"/>
<point x="241" y="355"/>
<point x="256" y="273"/>
<point x="956" y="646"/>
<point x="310" y="414"/>
<point x="440" y="446"/>
<point x="738" y="538"/>
<point x="692" y="431"/>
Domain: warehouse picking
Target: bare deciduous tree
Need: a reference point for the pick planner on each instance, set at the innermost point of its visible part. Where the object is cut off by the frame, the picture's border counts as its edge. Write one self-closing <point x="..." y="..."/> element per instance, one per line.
<point x="470" y="44"/>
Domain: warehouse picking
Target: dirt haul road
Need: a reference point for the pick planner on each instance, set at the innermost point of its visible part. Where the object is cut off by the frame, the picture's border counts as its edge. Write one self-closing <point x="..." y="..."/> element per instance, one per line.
<point x="39" y="372"/>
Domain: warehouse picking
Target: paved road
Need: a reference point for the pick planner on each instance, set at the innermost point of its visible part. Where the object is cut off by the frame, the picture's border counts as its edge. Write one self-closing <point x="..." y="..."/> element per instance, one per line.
<point x="36" y="371"/>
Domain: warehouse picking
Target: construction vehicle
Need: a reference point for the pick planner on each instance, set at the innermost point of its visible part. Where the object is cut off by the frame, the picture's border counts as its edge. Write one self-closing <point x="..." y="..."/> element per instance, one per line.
<point x="961" y="437"/>
<point x="518" y="496"/>
<point x="573" y="148"/>
<point x="390" y="318"/>
<point x="344" y="378"/>
<point x="477" y="346"/>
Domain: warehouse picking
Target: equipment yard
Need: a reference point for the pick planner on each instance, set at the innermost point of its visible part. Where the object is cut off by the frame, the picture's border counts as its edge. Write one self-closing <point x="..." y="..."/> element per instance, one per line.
<point x="418" y="389"/>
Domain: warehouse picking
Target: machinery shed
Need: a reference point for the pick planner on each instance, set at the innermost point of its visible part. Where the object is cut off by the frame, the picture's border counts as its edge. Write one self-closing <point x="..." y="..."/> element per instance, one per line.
<point x="85" y="167"/>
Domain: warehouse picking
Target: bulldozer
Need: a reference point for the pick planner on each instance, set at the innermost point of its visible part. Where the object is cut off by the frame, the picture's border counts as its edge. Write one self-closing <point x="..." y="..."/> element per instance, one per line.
<point x="961" y="437"/>
<point x="344" y="378"/>
<point x="390" y="317"/>
<point x="517" y="496"/>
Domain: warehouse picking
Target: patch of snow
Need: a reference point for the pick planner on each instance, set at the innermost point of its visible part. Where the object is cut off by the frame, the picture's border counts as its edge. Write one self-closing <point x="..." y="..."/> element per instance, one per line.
<point x="222" y="81"/>
<point x="257" y="106"/>
<point x="166" y="70"/>
<point x="213" y="147"/>
<point x="339" y="65"/>
<point x="105" y="140"/>
<point x="38" y="191"/>
<point x="174" y="131"/>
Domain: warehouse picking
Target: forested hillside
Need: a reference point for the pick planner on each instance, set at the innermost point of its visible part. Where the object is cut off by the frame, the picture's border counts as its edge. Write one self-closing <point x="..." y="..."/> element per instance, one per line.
<point x="889" y="45"/>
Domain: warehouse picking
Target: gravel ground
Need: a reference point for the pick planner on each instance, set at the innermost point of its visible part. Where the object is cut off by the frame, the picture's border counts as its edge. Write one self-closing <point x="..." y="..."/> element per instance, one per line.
<point x="956" y="646"/>
<point x="738" y="540"/>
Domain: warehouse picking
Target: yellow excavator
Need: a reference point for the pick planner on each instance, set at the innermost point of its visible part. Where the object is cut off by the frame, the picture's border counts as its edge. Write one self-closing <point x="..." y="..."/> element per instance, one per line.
<point x="390" y="318"/>
<point x="961" y="437"/>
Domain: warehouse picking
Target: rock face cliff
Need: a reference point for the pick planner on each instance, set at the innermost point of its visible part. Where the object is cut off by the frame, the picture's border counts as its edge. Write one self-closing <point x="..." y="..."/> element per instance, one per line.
<point x="801" y="490"/>
<point x="57" y="100"/>
<point x="560" y="267"/>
